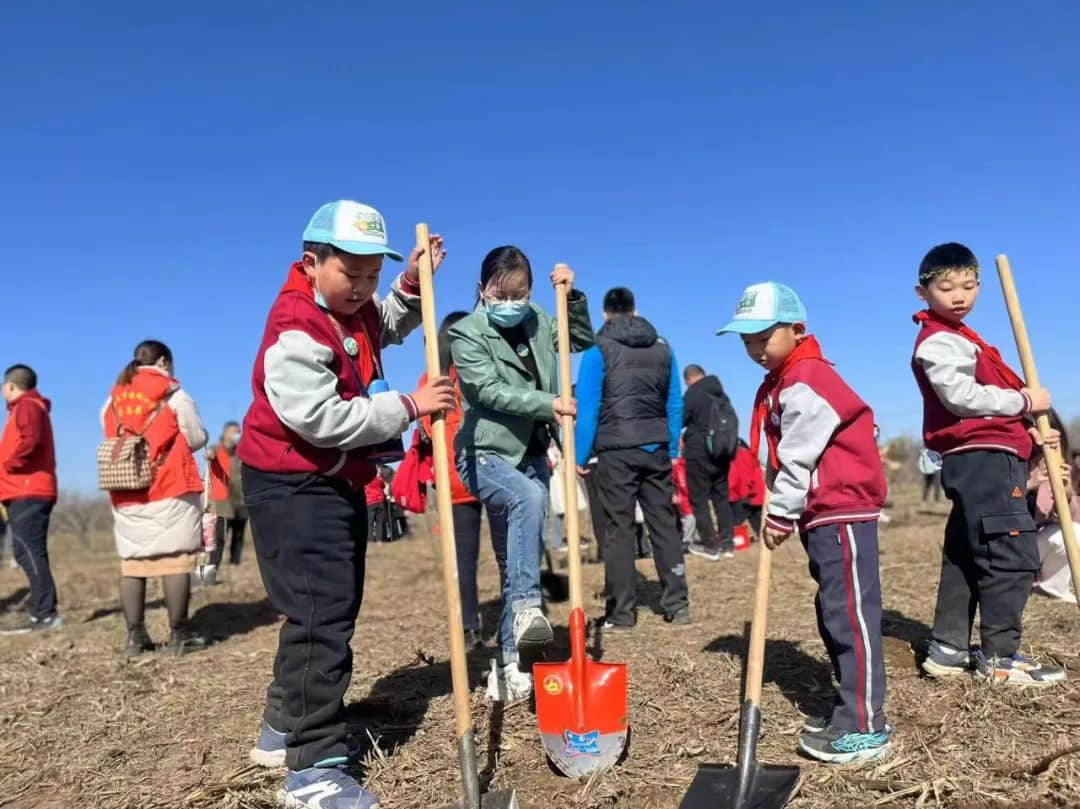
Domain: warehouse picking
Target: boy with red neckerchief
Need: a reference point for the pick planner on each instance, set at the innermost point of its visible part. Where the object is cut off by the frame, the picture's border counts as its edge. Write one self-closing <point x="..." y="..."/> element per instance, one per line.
<point x="827" y="484"/>
<point x="975" y="411"/>
<point x="321" y="420"/>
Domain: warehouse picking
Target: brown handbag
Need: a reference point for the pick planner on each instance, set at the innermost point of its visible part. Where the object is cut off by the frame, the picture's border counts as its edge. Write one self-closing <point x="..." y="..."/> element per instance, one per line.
<point x="124" y="462"/>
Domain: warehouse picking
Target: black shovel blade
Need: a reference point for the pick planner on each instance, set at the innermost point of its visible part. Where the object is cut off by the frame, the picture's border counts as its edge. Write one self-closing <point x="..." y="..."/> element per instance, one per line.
<point x="746" y="785"/>
<point x="503" y="799"/>
<point x="718" y="786"/>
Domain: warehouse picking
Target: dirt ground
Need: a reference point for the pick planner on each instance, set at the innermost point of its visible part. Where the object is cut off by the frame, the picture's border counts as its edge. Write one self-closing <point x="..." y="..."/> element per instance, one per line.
<point x="79" y="727"/>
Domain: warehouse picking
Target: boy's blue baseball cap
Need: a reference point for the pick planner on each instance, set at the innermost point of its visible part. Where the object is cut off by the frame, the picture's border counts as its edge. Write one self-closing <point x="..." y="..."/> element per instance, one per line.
<point x="352" y="227"/>
<point x="762" y="306"/>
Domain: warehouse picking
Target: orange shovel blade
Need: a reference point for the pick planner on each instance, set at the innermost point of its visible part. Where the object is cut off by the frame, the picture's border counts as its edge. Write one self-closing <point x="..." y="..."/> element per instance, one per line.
<point x="582" y="708"/>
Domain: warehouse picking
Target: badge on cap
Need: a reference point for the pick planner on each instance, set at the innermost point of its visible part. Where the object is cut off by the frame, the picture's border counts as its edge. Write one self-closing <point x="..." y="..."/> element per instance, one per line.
<point x="352" y="348"/>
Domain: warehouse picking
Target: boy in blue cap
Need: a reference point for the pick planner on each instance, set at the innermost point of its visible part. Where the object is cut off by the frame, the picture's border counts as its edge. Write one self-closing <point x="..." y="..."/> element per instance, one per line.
<point x="827" y="484"/>
<point x="322" y="418"/>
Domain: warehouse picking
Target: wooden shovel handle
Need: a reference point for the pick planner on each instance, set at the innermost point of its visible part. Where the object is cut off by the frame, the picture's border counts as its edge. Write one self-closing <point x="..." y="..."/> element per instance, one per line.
<point x="755" y="656"/>
<point x="459" y="672"/>
<point x="1053" y="457"/>
<point x="569" y="454"/>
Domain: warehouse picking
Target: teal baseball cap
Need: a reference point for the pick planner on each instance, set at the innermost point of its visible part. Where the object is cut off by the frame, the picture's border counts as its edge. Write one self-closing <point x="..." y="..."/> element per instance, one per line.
<point x="352" y="227"/>
<point x="762" y="306"/>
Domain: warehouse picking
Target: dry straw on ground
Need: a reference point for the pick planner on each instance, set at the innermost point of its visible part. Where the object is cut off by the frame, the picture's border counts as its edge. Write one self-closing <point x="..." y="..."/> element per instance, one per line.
<point x="80" y="727"/>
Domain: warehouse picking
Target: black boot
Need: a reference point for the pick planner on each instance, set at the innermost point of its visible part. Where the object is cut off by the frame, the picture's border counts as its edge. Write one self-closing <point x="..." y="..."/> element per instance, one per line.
<point x="138" y="641"/>
<point x="185" y="640"/>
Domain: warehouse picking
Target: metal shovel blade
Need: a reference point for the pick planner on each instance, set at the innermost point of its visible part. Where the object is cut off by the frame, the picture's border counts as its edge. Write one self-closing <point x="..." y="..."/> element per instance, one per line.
<point x="746" y="785"/>
<point x="503" y="799"/>
<point x="582" y="708"/>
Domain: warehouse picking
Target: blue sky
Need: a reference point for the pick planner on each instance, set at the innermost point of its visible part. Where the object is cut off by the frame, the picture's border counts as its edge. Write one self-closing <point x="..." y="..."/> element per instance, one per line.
<point x="159" y="164"/>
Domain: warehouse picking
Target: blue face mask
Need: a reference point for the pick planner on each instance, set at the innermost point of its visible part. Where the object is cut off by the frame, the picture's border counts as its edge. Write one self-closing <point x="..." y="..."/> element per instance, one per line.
<point x="320" y="301"/>
<point x="507" y="314"/>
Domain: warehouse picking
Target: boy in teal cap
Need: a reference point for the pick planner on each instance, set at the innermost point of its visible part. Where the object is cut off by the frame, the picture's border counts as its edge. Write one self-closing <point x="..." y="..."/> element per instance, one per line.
<point x="827" y="484"/>
<point x="322" y="419"/>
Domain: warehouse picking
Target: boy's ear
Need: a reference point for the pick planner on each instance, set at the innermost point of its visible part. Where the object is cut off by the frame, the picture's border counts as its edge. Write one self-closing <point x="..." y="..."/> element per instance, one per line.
<point x="921" y="292"/>
<point x="310" y="262"/>
<point x="799" y="329"/>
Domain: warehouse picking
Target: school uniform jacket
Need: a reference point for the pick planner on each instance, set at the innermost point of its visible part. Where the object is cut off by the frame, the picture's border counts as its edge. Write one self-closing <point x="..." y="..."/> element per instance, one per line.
<point x="822" y="435"/>
<point x="312" y="411"/>
<point x="967" y="402"/>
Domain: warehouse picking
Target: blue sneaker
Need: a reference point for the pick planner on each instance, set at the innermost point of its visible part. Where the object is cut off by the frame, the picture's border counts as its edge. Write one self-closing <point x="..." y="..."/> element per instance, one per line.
<point x="944" y="661"/>
<point x="326" y="788"/>
<point x="1017" y="670"/>
<point x="269" y="749"/>
<point x="845" y="746"/>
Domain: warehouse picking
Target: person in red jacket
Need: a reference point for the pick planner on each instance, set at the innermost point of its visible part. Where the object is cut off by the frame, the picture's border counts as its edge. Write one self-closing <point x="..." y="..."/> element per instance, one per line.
<point x="684" y="509"/>
<point x="322" y="418"/>
<point x="975" y="411"/>
<point x="828" y="485"/>
<point x="746" y="489"/>
<point x="227" y="496"/>
<point x="28" y="490"/>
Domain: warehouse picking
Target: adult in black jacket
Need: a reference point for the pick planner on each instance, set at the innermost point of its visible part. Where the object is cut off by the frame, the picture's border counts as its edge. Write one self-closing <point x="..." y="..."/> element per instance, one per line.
<point x="706" y="477"/>
<point x="629" y="405"/>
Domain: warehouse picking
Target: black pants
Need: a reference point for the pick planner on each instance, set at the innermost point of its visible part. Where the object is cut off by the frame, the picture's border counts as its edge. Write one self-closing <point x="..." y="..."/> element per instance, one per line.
<point x="844" y="563"/>
<point x="467" y="520"/>
<point x="381" y="525"/>
<point x="931" y="483"/>
<point x="229" y="531"/>
<point x="628" y="476"/>
<point x="310" y="540"/>
<point x="29" y="525"/>
<point x="990" y="556"/>
<point x="596" y="510"/>
<point x="742" y="511"/>
<point x="707" y="481"/>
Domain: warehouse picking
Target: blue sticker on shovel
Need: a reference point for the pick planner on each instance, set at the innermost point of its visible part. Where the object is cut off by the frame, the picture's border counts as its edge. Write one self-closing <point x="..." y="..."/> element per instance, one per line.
<point x="582" y="744"/>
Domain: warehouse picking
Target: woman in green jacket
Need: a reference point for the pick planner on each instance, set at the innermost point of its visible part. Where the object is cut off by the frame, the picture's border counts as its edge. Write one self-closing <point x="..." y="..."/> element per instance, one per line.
<point x="505" y="355"/>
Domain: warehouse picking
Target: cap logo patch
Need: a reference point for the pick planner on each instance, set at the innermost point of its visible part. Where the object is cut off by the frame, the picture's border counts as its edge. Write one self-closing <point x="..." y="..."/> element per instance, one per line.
<point x="746" y="304"/>
<point x="370" y="224"/>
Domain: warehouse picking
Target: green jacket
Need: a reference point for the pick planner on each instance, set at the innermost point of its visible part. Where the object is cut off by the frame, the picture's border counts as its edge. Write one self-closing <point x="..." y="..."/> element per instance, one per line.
<point x="501" y="398"/>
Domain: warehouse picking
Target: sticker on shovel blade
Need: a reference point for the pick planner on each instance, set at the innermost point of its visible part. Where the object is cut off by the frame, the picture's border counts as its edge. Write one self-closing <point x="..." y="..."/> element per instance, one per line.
<point x="582" y="744"/>
<point x="553" y="685"/>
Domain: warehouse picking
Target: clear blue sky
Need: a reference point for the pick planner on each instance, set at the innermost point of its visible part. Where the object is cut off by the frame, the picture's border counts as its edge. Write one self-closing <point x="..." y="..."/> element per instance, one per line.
<point x="160" y="162"/>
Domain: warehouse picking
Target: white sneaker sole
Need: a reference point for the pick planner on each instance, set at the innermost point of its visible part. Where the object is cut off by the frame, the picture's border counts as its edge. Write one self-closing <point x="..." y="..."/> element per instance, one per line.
<point x="938" y="670"/>
<point x="856" y="757"/>
<point x="1021" y="681"/>
<point x="290" y="802"/>
<point x="271" y="759"/>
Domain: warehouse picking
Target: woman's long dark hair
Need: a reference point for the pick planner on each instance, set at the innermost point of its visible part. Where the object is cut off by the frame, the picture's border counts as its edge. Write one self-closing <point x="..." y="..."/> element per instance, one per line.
<point x="444" y="339"/>
<point x="147" y="352"/>
<point x="503" y="261"/>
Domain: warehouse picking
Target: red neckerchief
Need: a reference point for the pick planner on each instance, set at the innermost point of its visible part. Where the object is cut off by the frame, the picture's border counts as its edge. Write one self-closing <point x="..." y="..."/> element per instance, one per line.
<point x="807" y="349"/>
<point x="367" y="360"/>
<point x="1010" y="376"/>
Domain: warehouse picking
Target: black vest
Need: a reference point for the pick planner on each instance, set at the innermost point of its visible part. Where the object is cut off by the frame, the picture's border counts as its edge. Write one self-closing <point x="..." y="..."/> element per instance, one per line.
<point x="637" y="380"/>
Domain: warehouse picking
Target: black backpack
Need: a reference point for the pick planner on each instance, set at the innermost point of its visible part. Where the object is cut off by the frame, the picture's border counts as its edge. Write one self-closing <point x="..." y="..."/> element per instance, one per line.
<point x="722" y="433"/>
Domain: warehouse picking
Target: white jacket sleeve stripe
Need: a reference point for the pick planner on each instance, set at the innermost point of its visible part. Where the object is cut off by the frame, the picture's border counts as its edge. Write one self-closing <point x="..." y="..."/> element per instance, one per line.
<point x="949" y="363"/>
<point x="807" y="424"/>
<point x="302" y="390"/>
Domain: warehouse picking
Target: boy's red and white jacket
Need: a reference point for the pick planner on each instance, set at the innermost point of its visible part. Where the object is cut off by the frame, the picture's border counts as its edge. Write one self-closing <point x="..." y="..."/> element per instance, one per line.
<point x="971" y="398"/>
<point x="312" y="411"/>
<point x="825" y="462"/>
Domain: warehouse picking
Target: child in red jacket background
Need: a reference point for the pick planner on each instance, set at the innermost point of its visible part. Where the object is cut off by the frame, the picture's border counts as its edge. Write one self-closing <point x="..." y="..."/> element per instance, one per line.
<point x="746" y="489"/>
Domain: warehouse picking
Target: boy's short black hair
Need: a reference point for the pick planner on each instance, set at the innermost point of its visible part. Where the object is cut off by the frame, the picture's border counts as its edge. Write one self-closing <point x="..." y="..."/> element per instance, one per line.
<point x="322" y="250"/>
<point x="945" y="258"/>
<point x="21" y="376"/>
<point x="692" y="370"/>
<point x="619" y="301"/>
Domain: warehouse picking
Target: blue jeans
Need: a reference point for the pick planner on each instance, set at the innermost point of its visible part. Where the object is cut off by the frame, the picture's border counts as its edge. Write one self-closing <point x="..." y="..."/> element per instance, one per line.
<point x="522" y="494"/>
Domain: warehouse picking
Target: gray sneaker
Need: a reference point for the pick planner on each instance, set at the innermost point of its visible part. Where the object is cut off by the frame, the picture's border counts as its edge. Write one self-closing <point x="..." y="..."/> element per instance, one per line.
<point x="704" y="551"/>
<point x="945" y="661"/>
